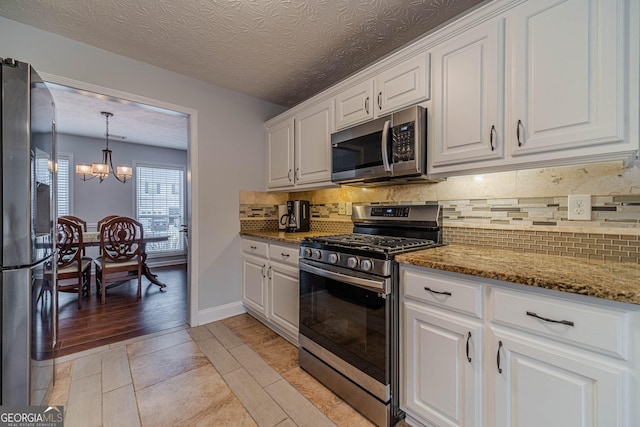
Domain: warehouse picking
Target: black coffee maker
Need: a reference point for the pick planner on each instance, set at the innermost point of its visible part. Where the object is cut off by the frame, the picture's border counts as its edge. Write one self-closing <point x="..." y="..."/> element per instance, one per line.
<point x="297" y="216"/>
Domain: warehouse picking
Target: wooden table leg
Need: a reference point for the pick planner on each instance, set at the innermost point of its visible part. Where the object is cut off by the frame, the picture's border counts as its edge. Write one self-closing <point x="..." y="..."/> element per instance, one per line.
<point x="146" y="272"/>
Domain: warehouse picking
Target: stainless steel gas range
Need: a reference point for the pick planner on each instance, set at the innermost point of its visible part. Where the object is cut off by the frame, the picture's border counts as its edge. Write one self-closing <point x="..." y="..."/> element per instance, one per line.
<point x="349" y="313"/>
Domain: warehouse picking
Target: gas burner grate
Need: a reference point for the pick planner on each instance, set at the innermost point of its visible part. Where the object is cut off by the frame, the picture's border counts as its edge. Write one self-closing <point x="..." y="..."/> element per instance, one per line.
<point x="376" y="243"/>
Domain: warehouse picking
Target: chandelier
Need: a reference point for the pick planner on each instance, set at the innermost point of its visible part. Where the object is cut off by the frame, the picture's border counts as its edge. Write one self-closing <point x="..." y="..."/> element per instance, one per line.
<point x="101" y="170"/>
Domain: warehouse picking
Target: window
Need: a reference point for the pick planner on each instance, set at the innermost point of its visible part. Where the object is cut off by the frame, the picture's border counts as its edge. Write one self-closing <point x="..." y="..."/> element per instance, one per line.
<point x="64" y="185"/>
<point x="160" y="205"/>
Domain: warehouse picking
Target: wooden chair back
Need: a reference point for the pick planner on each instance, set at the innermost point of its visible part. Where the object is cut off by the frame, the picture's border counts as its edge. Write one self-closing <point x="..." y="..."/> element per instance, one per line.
<point x="121" y="239"/>
<point x="71" y="263"/>
<point x="103" y="220"/>
<point x="80" y="221"/>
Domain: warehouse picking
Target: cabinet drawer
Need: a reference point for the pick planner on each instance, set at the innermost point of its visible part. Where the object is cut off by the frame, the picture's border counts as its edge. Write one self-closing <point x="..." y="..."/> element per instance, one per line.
<point x="595" y="328"/>
<point x="284" y="254"/>
<point x="255" y="247"/>
<point x="434" y="288"/>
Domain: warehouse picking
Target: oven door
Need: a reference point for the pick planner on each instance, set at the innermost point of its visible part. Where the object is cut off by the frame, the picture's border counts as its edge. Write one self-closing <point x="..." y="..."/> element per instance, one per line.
<point x="345" y="321"/>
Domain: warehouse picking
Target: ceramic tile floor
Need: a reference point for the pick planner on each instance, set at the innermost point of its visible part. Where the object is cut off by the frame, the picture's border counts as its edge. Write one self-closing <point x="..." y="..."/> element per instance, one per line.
<point x="235" y="372"/>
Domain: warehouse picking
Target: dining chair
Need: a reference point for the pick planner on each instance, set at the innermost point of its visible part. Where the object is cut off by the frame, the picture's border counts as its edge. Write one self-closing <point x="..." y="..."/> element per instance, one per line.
<point x="103" y="220"/>
<point x="72" y="266"/>
<point x="81" y="222"/>
<point x="121" y="240"/>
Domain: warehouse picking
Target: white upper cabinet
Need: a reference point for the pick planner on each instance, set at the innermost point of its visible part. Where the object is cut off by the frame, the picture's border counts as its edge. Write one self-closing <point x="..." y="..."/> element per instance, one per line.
<point x="355" y="105"/>
<point x="402" y="85"/>
<point x="280" y="159"/>
<point x="567" y="75"/>
<point x="468" y="96"/>
<point x="299" y="149"/>
<point x="313" y="129"/>
<point x="535" y="84"/>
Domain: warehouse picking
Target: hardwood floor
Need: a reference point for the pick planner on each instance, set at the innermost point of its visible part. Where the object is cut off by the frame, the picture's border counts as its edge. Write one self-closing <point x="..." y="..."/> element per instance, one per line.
<point x="123" y="316"/>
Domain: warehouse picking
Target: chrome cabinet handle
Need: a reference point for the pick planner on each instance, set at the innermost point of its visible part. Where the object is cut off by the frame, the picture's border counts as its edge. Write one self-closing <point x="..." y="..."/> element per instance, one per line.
<point x="297" y="174"/>
<point x="498" y="357"/>
<point x="285" y="255"/>
<point x="468" y="339"/>
<point x="437" y="292"/>
<point x="269" y="275"/>
<point x="262" y="270"/>
<point x="254" y="247"/>
<point x="491" y="132"/>
<point x="366" y="105"/>
<point x="546" y="319"/>
<point x="289" y="175"/>
<point x="518" y="133"/>
<point x="380" y="100"/>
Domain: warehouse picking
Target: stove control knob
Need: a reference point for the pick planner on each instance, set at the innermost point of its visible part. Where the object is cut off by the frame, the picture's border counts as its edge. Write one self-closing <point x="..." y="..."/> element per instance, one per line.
<point x="333" y="258"/>
<point x="317" y="254"/>
<point x="307" y="253"/>
<point x="352" y="262"/>
<point x="366" y="264"/>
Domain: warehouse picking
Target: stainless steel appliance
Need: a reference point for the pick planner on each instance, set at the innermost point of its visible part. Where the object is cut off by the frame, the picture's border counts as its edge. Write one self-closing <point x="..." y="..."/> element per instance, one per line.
<point x="349" y="312"/>
<point x="28" y="316"/>
<point x="388" y="150"/>
<point x="298" y="216"/>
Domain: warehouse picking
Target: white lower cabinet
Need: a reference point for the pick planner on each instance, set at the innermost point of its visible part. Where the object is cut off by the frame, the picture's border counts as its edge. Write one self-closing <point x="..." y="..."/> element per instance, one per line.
<point x="539" y="385"/>
<point x="444" y="357"/>
<point x="537" y="357"/>
<point x="270" y="289"/>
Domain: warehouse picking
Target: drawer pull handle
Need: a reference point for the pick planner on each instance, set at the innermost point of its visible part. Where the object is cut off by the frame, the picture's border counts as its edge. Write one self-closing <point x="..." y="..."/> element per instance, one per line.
<point x="518" y="133"/>
<point x="498" y="357"/>
<point x="262" y="271"/>
<point x="437" y="292"/>
<point x="254" y="247"/>
<point x="468" y="339"/>
<point x="563" y="322"/>
<point x="491" y="132"/>
<point x="285" y="255"/>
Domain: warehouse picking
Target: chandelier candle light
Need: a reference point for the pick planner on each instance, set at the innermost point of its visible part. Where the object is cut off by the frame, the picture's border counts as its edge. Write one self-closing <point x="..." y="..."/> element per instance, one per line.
<point x="101" y="170"/>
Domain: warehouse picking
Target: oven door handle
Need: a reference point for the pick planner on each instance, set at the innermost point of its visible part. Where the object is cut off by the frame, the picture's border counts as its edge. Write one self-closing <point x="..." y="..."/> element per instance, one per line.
<point x="376" y="285"/>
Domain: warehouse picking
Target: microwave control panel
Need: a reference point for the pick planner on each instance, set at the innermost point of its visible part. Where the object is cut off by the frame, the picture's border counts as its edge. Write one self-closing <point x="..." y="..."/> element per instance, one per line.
<point x="403" y="142"/>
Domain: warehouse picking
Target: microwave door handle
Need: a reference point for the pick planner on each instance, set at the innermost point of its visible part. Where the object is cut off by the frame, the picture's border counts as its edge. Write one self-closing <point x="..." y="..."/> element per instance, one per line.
<point x="385" y="146"/>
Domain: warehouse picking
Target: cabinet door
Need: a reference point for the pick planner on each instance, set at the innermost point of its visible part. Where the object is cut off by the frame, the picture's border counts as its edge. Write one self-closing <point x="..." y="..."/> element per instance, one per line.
<point x="443" y="368"/>
<point x="313" y="143"/>
<point x="542" y="387"/>
<point x="254" y="283"/>
<point x="566" y="60"/>
<point x="280" y="158"/>
<point x="354" y="105"/>
<point x="405" y="84"/>
<point x="468" y="106"/>
<point x="284" y="294"/>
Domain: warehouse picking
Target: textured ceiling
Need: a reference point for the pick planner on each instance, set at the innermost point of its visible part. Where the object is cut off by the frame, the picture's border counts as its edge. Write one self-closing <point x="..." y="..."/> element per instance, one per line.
<point x="278" y="50"/>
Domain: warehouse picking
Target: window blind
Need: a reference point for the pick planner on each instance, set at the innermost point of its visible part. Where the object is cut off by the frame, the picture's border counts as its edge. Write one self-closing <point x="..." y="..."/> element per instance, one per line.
<point x="160" y="205"/>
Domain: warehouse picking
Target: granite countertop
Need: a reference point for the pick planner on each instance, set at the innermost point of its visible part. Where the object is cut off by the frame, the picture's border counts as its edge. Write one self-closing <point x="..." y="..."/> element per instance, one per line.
<point x="617" y="281"/>
<point x="281" y="236"/>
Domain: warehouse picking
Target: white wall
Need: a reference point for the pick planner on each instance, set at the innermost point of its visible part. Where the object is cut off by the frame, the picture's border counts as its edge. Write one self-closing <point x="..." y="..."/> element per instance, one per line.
<point x="231" y="149"/>
<point x="92" y="199"/>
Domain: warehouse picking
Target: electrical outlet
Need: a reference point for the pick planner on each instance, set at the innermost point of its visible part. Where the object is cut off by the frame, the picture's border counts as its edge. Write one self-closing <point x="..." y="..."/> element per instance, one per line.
<point x="579" y="207"/>
<point x="341" y="208"/>
<point x="348" y="208"/>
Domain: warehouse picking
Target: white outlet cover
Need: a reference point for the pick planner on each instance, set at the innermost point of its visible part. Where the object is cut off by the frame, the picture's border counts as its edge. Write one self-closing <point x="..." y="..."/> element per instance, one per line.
<point x="579" y="207"/>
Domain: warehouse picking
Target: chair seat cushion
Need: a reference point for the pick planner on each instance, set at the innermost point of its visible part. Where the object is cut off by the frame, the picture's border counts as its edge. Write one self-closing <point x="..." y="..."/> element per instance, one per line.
<point x="73" y="267"/>
<point x="100" y="263"/>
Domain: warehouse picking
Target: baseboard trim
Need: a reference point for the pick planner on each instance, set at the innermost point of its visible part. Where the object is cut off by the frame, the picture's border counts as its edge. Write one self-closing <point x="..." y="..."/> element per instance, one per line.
<point x="221" y="312"/>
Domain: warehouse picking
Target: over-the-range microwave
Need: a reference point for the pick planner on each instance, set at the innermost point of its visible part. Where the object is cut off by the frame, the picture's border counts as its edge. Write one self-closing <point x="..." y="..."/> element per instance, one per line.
<point x="387" y="150"/>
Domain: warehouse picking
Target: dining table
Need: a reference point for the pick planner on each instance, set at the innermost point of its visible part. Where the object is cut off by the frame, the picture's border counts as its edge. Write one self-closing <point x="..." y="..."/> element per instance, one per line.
<point x="92" y="238"/>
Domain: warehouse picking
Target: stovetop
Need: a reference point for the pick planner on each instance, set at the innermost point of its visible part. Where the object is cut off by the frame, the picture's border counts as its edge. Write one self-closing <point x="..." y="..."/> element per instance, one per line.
<point x="375" y="243"/>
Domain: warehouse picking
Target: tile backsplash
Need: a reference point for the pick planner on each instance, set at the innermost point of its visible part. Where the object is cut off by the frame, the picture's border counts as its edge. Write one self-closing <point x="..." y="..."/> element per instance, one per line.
<point x="525" y="211"/>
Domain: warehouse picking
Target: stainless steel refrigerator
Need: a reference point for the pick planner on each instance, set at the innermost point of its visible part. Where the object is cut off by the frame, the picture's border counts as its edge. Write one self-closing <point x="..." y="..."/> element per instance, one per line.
<point x="28" y="317"/>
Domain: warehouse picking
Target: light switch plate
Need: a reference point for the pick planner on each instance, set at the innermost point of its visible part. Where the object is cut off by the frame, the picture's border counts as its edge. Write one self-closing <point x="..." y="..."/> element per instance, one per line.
<point x="579" y="207"/>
